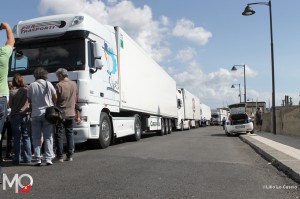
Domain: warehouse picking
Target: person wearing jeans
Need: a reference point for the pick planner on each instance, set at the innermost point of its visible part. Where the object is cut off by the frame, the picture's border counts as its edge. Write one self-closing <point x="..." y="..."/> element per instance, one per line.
<point x="20" y="129"/>
<point x="41" y="94"/>
<point x="5" y="53"/>
<point x="65" y="128"/>
<point x="20" y="119"/>
<point x="3" y="115"/>
<point x="9" y="142"/>
<point x="42" y="128"/>
<point x="66" y="90"/>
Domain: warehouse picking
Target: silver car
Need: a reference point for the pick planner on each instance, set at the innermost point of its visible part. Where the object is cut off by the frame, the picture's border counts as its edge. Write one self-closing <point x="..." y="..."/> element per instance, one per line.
<point x="238" y="121"/>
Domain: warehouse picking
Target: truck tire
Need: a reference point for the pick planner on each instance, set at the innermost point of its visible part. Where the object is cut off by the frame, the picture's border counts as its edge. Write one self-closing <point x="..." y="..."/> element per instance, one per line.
<point x="166" y="127"/>
<point x="170" y="126"/>
<point x="105" y="134"/>
<point x="137" y="128"/>
<point x="105" y="131"/>
<point x="163" y="128"/>
<point x="181" y="125"/>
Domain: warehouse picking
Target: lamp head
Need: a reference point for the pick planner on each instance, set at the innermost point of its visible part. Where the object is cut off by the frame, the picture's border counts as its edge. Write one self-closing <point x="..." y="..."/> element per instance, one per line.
<point x="248" y="11"/>
<point x="232" y="86"/>
<point x="233" y="68"/>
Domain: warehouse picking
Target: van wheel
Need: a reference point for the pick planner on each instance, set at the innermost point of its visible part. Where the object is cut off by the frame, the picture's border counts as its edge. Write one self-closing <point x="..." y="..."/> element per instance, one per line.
<point x="137" y="128"/>
<point x="251" y="132"/>
<point x="226" y="133"/>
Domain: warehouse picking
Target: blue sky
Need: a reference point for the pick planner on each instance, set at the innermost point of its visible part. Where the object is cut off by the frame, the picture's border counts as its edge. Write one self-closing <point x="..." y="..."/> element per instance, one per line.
<point x="198" y="42"/>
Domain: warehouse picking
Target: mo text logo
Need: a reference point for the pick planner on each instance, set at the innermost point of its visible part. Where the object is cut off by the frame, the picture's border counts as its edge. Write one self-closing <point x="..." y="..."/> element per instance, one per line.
<point x="17" y="182"/>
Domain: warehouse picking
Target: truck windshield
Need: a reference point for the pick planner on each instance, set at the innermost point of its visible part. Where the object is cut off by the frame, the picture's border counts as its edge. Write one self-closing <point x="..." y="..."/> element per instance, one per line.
<point x="215" y="115"/>
<point x="69" y="54"/>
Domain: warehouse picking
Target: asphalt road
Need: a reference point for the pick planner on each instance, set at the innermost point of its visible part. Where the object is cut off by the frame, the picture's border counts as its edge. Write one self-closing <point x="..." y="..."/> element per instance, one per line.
<point x="200" y="163"/>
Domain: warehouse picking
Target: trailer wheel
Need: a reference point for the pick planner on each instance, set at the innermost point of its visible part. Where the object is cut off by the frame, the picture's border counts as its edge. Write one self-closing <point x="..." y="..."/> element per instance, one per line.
<point x="181" y="125"/>
<point x="105" y="131"/>
<point x="166" y="127"/>
<point x="137" y="128"/>
<point x="163" y="128"/>
<point x="170" y="126"/>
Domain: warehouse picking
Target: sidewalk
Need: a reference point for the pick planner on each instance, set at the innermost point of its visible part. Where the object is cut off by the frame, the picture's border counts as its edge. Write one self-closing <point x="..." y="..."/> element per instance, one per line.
<point x="281" y="151"/>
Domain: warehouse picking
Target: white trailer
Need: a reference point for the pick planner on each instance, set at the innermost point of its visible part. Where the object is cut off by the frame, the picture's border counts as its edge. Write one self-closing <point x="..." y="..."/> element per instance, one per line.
<point x="188" y="109"/>
<point x="121" y="90"/>
<point x="205" y="114"/>
<point x="218" y="115"/>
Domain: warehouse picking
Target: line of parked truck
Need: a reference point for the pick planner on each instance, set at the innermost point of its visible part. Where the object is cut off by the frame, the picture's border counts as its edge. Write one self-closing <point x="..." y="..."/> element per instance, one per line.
<point x="122" y="91"/>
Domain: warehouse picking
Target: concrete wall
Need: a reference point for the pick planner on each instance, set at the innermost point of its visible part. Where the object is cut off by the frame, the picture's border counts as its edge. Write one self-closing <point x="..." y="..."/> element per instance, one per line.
<point x="287" y="121"/>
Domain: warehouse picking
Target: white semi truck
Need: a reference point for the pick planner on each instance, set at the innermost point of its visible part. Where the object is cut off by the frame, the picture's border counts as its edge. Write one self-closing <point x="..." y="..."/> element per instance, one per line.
<point x="205" y="114"/>
<point x="121" y="90"/>
<point x="188" y="109"/>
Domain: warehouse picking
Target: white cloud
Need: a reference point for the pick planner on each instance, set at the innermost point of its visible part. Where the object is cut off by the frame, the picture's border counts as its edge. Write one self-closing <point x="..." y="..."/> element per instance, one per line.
<point x="112" y="2"/>
<point x="214" y="88"/>
<point x="164" y="20"/>
<point x="186" y="29"/>
<point x="137" y="22"/>
<point x="186" y="54"/>
<point x="240" y="72"/>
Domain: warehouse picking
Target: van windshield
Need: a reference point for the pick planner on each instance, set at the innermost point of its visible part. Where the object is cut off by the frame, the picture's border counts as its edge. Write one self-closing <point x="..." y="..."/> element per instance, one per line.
<point x="69" y="54"/>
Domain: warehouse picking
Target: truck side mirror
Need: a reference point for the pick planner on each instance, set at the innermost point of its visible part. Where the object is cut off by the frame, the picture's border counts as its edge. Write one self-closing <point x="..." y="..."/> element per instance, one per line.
<point x="19" y="54"/>
<point x="179" y="103"/>
<point x="98" y="54"/>
<point x="98" y="64"/>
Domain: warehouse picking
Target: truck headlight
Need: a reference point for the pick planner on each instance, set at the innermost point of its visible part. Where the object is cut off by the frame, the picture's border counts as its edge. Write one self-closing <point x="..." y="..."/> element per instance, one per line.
<point x="83" y="118"/>
<point x="77" y="20"/>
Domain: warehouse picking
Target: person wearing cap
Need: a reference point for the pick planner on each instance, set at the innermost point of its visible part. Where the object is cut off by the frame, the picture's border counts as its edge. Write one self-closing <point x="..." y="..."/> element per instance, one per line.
<point x="66" y="90"/>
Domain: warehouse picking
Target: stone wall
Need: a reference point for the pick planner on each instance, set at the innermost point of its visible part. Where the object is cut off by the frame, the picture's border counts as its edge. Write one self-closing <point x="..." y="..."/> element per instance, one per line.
<point x="287" y="121"/>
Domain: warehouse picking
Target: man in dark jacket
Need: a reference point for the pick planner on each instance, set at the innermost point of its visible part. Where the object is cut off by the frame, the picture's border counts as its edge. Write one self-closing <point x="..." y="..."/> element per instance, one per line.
<point x="66" y="98"/>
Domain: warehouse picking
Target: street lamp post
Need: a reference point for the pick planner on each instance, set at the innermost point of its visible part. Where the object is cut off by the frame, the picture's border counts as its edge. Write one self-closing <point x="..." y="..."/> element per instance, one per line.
<point x="247" y="12"/>
<point x="239" y="90"/>
<point x="234" y="69"/>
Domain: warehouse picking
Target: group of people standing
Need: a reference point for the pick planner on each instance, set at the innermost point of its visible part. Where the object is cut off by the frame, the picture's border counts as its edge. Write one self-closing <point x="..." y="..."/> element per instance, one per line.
<point x="28" y="104"/>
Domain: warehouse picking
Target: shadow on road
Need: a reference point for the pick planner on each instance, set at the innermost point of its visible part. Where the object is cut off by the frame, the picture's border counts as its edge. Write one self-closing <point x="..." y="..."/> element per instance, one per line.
<point x="223" y="135"/>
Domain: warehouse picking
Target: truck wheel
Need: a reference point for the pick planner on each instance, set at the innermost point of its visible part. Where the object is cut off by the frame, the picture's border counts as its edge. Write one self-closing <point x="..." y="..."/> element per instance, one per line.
<point x="137" y="128"/>
<point x="162" y="130"/>
<point x="105" y="131"/>
<point x="170" y="126"/>
<point x="166" y="127"/>
<point x="182" y="126"/>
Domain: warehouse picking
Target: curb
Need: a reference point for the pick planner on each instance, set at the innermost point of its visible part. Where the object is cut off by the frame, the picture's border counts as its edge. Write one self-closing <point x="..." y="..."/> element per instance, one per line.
<point x="283" y="162"/>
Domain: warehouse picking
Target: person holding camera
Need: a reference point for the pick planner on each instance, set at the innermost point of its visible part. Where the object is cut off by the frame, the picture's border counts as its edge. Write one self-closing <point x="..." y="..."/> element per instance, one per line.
<point x="5" y="53"/>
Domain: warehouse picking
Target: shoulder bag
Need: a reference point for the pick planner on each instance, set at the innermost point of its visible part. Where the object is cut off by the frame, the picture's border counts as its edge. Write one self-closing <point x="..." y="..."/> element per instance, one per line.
<point x="53" y="114"/>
